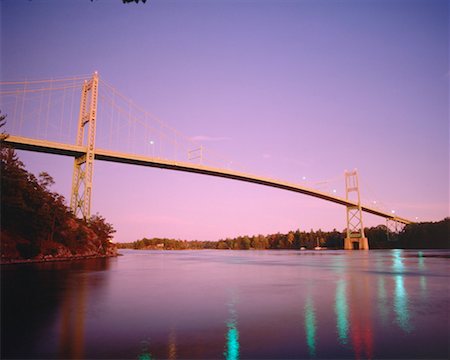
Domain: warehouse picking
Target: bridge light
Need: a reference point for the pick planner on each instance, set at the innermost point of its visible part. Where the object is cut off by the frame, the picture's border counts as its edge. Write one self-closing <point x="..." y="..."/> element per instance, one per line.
<point x="152" y="142"/>
<point x="303" y="178"/>
<point x="393" y="211"/>
<point x="334" y="191"/>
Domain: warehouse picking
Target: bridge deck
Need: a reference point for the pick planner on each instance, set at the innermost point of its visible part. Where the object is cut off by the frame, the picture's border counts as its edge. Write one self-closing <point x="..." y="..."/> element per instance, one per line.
<point x="44" y="146"/>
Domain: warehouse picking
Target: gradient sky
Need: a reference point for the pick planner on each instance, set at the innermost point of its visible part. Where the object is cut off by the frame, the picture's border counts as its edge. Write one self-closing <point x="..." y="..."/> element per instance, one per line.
<point x="292" y="89"/>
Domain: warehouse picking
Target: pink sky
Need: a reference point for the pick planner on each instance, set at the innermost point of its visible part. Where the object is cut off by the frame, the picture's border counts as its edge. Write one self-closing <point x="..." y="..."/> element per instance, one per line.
<point x="291" y="89"/>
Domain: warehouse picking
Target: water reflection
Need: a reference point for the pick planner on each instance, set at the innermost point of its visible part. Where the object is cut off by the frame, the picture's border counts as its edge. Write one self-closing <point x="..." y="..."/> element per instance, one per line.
<point x="72" y="321"/>
<point x="360" y="311"/>
<point x="36" y="295"/>
<point x="348" y="305"/>
<point x="382" y="295"/>
<point x="341" y="309"/>
<point x="232" y="336"/>
<point x="421" y="262"/>
<point x="145" y="351"/>
<point x="340" y="302"/>
<point x="310" y="325"/>
<point x="383" y="308"/>
<point x="400" y="295"/>
<point x="422" y="268"/>
<point x="172" y="344"/>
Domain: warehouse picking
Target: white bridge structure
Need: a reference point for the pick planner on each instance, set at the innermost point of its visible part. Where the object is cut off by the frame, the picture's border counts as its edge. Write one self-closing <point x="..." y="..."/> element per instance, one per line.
<point x="41" y="119"/>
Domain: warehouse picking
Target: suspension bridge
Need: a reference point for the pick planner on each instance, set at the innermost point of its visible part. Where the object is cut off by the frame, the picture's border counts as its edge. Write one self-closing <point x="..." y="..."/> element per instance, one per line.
<point x="42" y="117"/>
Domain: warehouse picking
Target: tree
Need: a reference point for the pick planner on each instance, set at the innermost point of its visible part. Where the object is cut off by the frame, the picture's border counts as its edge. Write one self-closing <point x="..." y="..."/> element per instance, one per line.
<point x="102" y="229"/>
<point x="435" y="235"/>
<point x="297" y="241"/>
<point x="3" y="135"/>
<point x="245" y="243"/>
<point x="35" y="220"/>
<point x="290" y="240"/>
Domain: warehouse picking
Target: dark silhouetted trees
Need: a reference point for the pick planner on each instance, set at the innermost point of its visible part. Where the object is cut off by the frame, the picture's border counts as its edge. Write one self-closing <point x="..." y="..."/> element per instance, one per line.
<point x="426" y="235"/>
<point x="36" y="222"/>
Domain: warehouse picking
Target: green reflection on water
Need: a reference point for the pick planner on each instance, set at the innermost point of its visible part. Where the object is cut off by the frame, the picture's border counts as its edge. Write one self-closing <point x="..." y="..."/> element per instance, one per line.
<point x="401" y="303"/>
<point x="421" y="260"/>
<point x="341" y="309"/>
<point x="382" y="303"/>
<point x="401" y="295"/>
<point x="423" y="279"/>
<point x="232" y="342"/>
<point x="423" y="285"/>
<point x="145" y="356"/>
<point x="397" y="261"/>
<point x="310" y="326"/>
<point x="232" y="350"/>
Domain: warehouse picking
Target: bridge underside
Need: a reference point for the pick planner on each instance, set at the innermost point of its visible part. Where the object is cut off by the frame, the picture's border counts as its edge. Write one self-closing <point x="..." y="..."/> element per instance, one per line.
<point x="43" y="146"/>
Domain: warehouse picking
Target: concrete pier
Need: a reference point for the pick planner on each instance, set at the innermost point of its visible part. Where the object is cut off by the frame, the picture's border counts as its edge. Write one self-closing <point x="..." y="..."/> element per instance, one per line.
<point x="356" y="243"/>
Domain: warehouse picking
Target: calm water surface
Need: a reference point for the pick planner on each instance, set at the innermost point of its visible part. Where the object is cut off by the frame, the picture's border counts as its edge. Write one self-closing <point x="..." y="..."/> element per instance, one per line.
<point x="230" y="304"/>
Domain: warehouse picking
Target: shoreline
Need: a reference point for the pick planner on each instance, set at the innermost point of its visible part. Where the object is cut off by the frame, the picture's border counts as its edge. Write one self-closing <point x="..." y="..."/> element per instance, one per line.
<point x="54" y="259"/>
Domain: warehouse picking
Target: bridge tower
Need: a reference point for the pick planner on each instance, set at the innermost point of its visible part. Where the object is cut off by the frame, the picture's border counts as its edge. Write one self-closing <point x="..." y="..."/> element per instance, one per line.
<point x="355" y="229"/>
<point x="83" y="167"/>
<point x="393" y="228"/>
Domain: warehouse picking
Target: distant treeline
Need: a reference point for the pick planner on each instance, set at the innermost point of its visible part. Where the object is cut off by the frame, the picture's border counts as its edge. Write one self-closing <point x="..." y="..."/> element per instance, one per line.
<point x="292" y="240"/>
<point x="430" y="235"/>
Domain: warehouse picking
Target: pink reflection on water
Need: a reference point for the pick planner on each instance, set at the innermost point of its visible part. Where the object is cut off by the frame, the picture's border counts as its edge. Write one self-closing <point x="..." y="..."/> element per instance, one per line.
<point x="236" y="304"/>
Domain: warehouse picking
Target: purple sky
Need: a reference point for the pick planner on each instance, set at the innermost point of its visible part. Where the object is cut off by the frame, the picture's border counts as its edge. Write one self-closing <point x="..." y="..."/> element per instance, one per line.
<point x="291" y="89"/>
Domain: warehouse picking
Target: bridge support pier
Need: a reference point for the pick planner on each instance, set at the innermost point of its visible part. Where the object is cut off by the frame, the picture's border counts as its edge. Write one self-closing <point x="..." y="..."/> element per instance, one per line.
<point x="356" y="244"/>
<point x="83" y="168"/>
<point x="355" y="229"/>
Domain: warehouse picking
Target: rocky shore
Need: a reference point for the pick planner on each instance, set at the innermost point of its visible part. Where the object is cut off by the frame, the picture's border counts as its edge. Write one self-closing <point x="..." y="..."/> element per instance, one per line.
<point x="50" y="258"/>
<point x="47" y="251"/>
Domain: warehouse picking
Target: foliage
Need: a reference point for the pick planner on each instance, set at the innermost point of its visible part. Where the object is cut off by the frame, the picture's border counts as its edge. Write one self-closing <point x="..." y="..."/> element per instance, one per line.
<point x="431" y="235"/>
<point x="3" y="135"/>
<point x="37" y="221"/>
<point x="291" y="240"/>
<point x="102" y="229"/>
<point x="421" y="235"/>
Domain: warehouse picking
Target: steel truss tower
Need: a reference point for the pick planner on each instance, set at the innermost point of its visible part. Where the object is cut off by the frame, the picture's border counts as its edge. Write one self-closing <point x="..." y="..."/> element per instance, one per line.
<point x="355" y="229"/>
<point x="83" y="167"/>
<point x="393" y="229"/>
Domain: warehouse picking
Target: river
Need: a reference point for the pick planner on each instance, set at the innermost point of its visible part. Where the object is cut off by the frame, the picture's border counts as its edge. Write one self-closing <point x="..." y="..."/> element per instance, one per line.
<point x="230" y="304"/>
